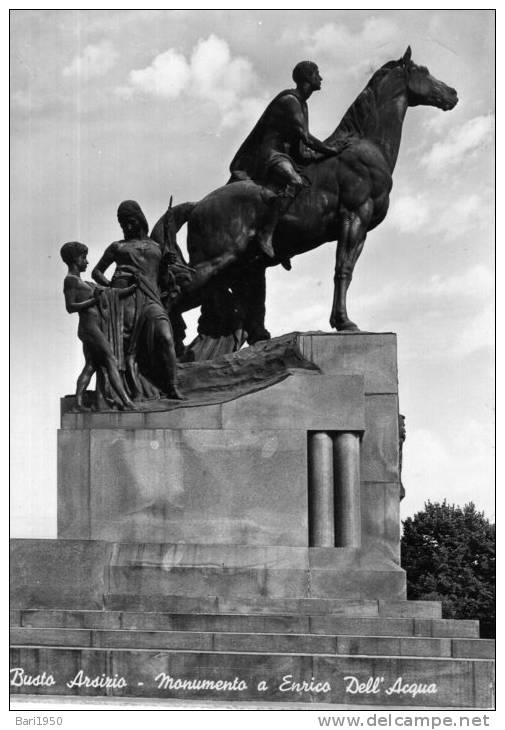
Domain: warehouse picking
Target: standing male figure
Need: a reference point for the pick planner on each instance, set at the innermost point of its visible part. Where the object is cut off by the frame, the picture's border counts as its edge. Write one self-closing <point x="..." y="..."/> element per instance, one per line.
<point x="280" y="145"/>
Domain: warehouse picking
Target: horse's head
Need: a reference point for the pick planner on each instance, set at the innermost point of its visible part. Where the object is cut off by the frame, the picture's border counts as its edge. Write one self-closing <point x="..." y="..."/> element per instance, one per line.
<point x="425" y="89"/>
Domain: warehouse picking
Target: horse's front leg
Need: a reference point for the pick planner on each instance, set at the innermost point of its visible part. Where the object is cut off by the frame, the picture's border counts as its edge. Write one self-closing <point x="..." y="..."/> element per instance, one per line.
<point x="351" y="239"/>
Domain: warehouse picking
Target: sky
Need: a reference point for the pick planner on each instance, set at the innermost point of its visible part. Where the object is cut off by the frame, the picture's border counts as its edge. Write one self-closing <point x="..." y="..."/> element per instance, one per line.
<point x="145" y="104"/>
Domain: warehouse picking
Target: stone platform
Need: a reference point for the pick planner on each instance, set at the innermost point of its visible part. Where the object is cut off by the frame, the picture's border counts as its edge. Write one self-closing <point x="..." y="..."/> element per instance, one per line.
<point x="191" y="645"/>
<point x="259" y="469"/>
<point x="243" y="545"/>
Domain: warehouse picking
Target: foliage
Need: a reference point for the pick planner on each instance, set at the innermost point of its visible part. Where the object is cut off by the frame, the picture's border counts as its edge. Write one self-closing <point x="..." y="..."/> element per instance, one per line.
<point x="449" y="555"/>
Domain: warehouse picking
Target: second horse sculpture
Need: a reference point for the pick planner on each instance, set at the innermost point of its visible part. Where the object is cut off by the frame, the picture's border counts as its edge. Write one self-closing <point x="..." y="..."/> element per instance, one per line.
<point x="348" y="197"/>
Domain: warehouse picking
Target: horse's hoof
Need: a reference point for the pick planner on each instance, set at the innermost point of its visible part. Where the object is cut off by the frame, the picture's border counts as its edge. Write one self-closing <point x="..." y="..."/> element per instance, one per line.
<point x="258" y="336"/>
<point x="175" y="394"/>
<point x="348" y="327"/>
<point x="344" y="325"/>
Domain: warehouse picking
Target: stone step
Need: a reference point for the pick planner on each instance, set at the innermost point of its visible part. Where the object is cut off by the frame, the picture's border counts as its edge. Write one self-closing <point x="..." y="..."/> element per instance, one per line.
<point x="142" y="579"/>
<point x="278" y="643"/>
<point x="245" y="623"/>
<point x="250" y="605"/>
<point x="339" y="679"/>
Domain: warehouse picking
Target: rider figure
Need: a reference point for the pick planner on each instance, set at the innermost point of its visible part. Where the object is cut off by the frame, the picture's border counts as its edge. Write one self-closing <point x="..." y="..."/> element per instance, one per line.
<point x="280" y="144"/>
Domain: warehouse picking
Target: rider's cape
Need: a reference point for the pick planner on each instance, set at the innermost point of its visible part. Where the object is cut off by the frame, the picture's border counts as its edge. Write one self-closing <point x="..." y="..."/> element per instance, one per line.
<point x="273" y="139"/>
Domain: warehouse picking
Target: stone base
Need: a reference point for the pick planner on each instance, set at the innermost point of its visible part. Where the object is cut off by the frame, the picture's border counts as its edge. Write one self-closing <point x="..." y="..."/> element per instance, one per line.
<point x="253" y="656"/>
<point x="236" y="623"/>
<point x="241" y="546"/>
<point x="80" y="573"/>
<point x="237" y="470"/>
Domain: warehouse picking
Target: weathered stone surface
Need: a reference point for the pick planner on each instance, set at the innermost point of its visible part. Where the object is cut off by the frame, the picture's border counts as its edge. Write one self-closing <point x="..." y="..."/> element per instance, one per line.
<point x="399" y="627"/>
<point x="273" y="557"/>
<point x="365" y="626"/>
<point x="266" y="606"/>
<point x="352" y="625"/>
<point x="478" y="648"/>
<point x="59" y="573"/>
<point x="207" y="486"/>
<point x="457" y="682"/>
<point x="380" y="519"/>
<point x="394" y="646"/>
<point x="275" y="643"/>
<point x="250" y="571"/>
<point x="270" y="583"/>
<point x="379" y="446"/>
<point x="40" y="618"/>
<point x="216" y="622"/>
<point x="181" y="418"/>
<point x="360" y="583"/>
<point x="50" y="637"/>
<point x="368" y="354"/>
<point x="309" y="401"/>
<point x="197" y="417"/>
<point x="438" y="627"/>
<point x="414" y="609"/>
<point x="256" y="642"/>
<point x="157" y="603"/>
<point x="180" y="640"/>
<point x="166" y="556"/>
<point x="186" y="578"/>
<point x="73" y="485"/>
<point x="226" y="582"/>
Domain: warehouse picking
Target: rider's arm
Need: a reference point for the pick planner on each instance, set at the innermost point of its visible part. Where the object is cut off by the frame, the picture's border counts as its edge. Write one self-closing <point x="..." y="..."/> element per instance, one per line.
<point x="107" y="259"/>
<point x="298" y="122"/>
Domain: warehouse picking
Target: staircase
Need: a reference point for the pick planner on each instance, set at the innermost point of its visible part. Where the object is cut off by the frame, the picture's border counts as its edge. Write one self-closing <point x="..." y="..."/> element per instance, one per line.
<point x="345" y="652"/>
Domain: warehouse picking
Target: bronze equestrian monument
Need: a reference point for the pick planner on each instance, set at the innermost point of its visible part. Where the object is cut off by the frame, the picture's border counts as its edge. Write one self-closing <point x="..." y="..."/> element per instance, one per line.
<point x="229" y="509"/>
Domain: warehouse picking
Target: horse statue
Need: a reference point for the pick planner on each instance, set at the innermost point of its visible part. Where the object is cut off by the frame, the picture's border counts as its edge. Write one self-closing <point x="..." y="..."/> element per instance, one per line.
<point x="348" y="196"/>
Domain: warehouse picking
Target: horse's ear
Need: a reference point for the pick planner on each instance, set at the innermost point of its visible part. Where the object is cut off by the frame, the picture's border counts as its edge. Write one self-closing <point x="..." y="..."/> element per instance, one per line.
<point x="407" y="55"/>
<point x="170" y="204"/>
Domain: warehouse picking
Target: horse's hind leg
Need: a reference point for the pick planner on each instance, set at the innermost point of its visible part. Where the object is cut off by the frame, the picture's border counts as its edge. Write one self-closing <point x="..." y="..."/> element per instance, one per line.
<point x="251" y="291"/>
<point x="350" y="244"/>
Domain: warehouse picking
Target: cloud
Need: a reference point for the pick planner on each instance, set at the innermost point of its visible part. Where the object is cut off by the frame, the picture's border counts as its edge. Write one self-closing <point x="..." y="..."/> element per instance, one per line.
<point x="451" y="313"/>
<point x="94" y="61"/>
<point x="335" y="41"/>
<point x="434" y="215"/>
<point x="460" y="144"/>
<point x="167" y="76"/>
<point x="409" y="213"/>
<point x="210" y="74"/>
<point x="464" y="214"/>
<point x="475" y="283"/>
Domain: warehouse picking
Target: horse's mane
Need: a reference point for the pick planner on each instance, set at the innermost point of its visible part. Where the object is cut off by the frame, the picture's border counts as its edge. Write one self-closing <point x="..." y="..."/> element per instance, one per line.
<point x="361" y="117"/>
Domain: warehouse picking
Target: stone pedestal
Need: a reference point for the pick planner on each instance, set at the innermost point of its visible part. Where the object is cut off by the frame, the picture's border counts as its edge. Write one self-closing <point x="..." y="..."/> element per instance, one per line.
<point x="249" y="471"/>
<point x="251" y="535"/>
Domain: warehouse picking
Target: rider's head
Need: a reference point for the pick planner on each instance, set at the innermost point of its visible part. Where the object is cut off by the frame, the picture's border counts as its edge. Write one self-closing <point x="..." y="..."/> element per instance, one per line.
<point x="307" y="72"/>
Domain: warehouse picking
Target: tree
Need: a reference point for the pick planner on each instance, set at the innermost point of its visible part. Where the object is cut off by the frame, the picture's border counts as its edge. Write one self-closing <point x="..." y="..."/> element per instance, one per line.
<point x="448" y="553"/>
